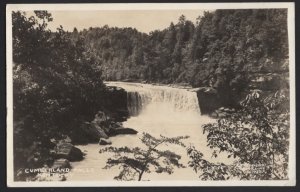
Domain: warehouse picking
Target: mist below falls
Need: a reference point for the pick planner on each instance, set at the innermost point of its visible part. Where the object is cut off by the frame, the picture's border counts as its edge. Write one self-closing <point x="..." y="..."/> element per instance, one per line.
<point x="157" y="110"/>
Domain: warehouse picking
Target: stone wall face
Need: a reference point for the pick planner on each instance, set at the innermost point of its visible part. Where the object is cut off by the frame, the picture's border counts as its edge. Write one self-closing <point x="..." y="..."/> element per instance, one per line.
<point x="208" y="100"/>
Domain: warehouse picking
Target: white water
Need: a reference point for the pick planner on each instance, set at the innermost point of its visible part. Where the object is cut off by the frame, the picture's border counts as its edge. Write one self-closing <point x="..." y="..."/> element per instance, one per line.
<point x="158" y="110"/>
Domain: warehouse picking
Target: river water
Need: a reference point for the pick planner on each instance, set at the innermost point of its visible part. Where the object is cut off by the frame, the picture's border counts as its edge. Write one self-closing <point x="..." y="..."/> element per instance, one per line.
<point x="157" y="110"/>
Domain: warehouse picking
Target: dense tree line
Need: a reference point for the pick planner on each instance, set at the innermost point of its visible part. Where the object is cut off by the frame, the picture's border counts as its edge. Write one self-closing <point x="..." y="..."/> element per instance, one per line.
<point x="222" y="50"/>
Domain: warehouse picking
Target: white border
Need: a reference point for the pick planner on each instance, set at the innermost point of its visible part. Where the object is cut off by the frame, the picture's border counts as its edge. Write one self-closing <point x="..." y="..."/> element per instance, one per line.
<point x="151" y="6"/>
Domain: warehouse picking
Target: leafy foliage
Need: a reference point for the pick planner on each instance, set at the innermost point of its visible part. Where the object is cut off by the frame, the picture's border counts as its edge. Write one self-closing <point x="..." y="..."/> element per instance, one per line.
<point x="256" y="135"/>
<point x="57" y="85"/>
<point x="212" y="171"/>
<point x="225" y="49"/>
<point x="137" y="161"/>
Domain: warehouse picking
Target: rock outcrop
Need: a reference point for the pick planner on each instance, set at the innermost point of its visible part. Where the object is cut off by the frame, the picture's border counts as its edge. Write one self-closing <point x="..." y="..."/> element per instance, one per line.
<point x="102" y="127"/>
<point x="96" y="131"/>
<point x="61" y="164"/>
<point x="208" y="99"/>
<point x="222" y="112"/>
<point x="103" y="141"/>
<point x="67" y="151"/>
<point x="122" y="131"/>
<point x="91" y="132"/>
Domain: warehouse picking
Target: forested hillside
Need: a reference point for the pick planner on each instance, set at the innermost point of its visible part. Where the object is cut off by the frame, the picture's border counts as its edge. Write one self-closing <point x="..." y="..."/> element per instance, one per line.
<point x="225" y="49"/>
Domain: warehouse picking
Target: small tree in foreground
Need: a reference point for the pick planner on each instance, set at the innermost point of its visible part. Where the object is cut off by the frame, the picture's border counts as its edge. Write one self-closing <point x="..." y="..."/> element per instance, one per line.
<point x="134" y="162"/>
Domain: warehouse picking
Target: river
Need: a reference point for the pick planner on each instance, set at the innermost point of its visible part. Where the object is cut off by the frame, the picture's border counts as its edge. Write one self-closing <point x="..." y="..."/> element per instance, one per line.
<point x="157" y="110"/>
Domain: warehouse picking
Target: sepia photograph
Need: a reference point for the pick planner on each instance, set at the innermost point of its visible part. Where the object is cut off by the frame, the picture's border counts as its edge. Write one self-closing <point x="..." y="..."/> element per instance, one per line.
<point x="171" y="94"/>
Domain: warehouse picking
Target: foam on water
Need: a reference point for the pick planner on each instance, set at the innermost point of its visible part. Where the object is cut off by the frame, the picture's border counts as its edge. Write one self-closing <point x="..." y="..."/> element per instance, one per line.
<point x="157" y="110"/>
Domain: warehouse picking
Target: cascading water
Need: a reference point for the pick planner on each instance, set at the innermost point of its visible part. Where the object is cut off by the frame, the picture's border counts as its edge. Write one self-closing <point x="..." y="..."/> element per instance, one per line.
<point x="157" y="110"/>
<point x="134" y="103"/>
<point x="168" y="99"/>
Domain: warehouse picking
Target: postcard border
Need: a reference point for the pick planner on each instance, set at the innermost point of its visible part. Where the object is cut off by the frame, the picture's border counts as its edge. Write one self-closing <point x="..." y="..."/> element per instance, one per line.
<point x="148" y="6"/>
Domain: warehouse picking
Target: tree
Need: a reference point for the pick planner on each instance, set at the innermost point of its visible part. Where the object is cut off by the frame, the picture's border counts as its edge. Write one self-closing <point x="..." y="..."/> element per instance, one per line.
<point x="212" y="171"/>
<point x="222" y="50"/>
<point x="256" y="135"/>
<point x="54" y="77"/>
<point x="137" y="161"/>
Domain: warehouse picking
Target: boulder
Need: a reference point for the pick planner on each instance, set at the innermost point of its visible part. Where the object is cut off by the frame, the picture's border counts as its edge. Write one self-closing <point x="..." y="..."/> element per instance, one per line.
<point x="222" y="112"/>
<point x="100" y="118"/>
<point x="101" y="132"/>
<point x="115" y="125"/>
<point x="88" y="133"/>
<point x="227" y="110"/>
<point x="61" y="163"/>
<point x="68" y="151"/>
<point x="122" y="131"/>
<point x="96" y="132"/>
<point x="214" y="115"/>
<point x="103" y="141"/>
<point x="67" y="139"/>
<point x="83" y="134"/>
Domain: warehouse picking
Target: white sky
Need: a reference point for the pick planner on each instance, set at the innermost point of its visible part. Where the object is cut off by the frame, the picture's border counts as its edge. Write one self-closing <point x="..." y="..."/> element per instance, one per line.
<point x="142" y="20"/>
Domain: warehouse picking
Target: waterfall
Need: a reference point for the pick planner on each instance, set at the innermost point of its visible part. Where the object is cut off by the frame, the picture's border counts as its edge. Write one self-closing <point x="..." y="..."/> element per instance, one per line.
<point x="161" y="99"/>
<point x="134" y="103"/>
<point x="157" y="110"/>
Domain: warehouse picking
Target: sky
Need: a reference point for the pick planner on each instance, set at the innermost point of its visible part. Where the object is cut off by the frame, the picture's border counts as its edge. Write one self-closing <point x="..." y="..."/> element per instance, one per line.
<point x="143" y="20"/>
